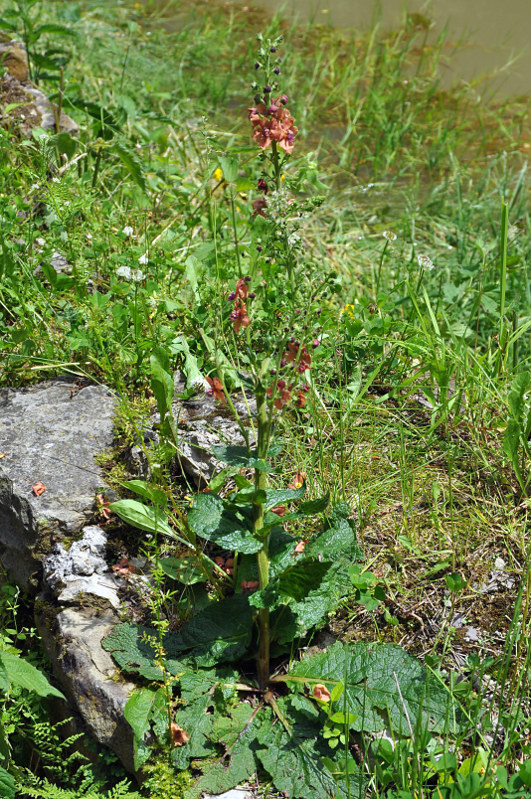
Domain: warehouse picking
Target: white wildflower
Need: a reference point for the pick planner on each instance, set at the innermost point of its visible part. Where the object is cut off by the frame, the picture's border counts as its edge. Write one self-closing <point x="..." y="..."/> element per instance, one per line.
<point x="425" y="262"/>
<point x="143" y="259"/>
<point x="134" y="275"/>
<point x="128" y="231"/>
<point x="389" y="235"/>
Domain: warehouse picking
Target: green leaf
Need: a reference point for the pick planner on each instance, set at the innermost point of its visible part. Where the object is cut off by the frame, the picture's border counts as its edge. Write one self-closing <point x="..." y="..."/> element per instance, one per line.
<point x="132" y="163"/>
<point x="298" y="580"/>
<point x="197" y="721"/>
<point x="52" y="27"/>
<point x="131" y="645"/>
<point x="511" y="440"/>
<point x="24" y="674"/>
<point x="138" y="711"/>
<point x="337" y="540"/>
<point x="519" y="388"/>
<point x="163" y="388"/>
<point x="370" y="673"/>
<point x="313" y="506"/>
<point x="240" y="456"/>
<point x="7" y="785"/>
<point x="220" y="632"/>
<point x="210" y="519"/>
<point x="229" y="167"/>
<point x="294" y="761"/>
<point x="4" y="679"/>
<point x="279" y="496"/>
<point x="235" y="733"/>
<point x="145" y="517"/>
<point x="155" y="495"/>
<point x="185" y="569"/>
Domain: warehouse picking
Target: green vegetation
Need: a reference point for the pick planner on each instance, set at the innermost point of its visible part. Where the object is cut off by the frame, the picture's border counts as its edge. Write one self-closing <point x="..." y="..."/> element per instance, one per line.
<point x="349" y="280"/>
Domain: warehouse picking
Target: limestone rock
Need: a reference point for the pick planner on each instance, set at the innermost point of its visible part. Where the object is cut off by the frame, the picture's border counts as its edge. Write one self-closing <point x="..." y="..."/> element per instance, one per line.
<point x="13" y="56"/>
<point x="82" y="569"/>
<point x="30" y="108"/>
<point x="50" y="434"/>
<point x="87" y="674"/>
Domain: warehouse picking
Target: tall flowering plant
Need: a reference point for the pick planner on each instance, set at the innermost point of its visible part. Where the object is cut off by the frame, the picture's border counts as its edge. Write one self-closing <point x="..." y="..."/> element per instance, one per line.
<point x="272" y="313"/>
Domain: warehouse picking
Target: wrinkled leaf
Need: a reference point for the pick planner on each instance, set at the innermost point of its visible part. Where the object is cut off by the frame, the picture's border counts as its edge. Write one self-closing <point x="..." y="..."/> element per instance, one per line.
<point x="370" y="673"/>
<point x="155" y="495"/>
<point x="240" y="456"/>
<point x="210" y="519"/>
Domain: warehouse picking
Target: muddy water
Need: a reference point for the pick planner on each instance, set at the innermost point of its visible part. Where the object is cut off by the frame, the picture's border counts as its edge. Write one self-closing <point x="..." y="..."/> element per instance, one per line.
<point x="495" y="32"/>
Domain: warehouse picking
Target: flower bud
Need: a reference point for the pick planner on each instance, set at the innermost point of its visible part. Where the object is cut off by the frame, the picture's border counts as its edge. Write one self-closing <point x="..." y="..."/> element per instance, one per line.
<point x="283" y="362"/>
<point x="267" y="89"/>
<point x="284" y="99"/>
<point x="232" y="296"/>
<point x="258" y="99"/>
<point x="247" y="278"/>
<point x="272" y="371"/>
<point x="315" y="343"/>
<point x="273" y="49"/>
<point x="258" y="248"/>
<point x="252" y="295"/>
<point x="257" y="65"/>
<point x="277" y="70"/>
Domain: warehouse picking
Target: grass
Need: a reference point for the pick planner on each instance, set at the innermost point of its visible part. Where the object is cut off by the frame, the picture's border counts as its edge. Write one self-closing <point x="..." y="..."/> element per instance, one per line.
<point x="412" y="380"/>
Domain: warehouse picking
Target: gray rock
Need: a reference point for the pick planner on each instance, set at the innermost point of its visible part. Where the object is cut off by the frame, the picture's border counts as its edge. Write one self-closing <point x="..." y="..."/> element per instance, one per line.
<point x="82" y="569"/>
<point x="87" y="674"/>
<point x="51" y="434"/>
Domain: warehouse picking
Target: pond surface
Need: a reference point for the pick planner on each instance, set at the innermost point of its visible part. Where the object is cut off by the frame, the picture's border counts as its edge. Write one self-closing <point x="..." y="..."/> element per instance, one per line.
<point x="495" y="32"/>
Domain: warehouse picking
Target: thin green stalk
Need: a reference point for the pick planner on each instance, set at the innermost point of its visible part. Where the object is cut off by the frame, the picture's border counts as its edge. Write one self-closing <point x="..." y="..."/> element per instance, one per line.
<point x="262" y="558"/>
<point x="503" y="274"/>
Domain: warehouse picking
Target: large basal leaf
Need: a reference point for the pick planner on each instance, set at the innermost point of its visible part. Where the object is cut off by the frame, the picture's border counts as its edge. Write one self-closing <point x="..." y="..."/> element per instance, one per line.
<point x="210" y="519"/>
<point x="221" y="632"/>
<point x="299" y="579"/>
<point x="196" y="720"/>
<point x="132" y="647"/>
<point x="337" y="540"/>
<point x="294" y="761"/>
<point x="20" y="672"/>
<point x="384" y="686"/>
<point x="235" y="734"/>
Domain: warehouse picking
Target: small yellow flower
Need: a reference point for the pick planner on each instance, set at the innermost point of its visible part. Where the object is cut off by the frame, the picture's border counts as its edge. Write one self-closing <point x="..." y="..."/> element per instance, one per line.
<point x="282" y="178"/>
<point x="348" y="309"/>
<point x="218" y="173"/>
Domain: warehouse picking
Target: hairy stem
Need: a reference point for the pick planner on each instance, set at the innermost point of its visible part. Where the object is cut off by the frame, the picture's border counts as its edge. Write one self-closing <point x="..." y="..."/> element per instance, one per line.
<point x="260" y="482"/>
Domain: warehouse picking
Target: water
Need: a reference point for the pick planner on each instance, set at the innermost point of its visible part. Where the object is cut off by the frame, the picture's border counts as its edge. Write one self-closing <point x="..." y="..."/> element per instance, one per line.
<point x="494" y="33"/>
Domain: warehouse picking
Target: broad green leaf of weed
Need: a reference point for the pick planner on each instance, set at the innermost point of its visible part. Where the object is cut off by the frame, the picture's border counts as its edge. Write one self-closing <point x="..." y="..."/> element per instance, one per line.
<point x="25" y="675"/>
<point x="240" y="456"/>
<point x="130" y="646"/>
<point x="235" y="733"/>
<point x="138" y="712"/>
<point x="294" y="761"/>
<point x="210" y="519"/>
<point x="132" y="163"/>
<point x="370" y="674"/>
<point x="197" y="721"/>
<point x="219" y="633"/>
<point x="7" y="785"/>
